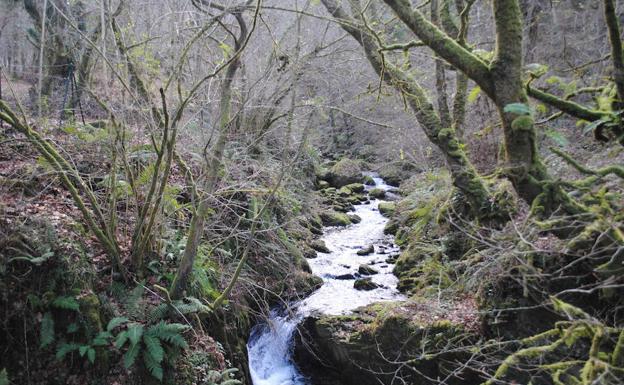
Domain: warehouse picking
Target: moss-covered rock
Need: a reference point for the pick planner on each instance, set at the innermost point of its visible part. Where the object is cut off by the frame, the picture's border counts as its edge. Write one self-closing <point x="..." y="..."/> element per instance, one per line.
<point x="355" y="187"/>
<point x="354" y="218"/>
<point x="345" y="172"/>
<point x="365" y="284"/>
<point x="387" y="208"/>
<point x="370" y="249"/>
<point x="377" y="193"/>
<point x="355" y="348"/>
<point x="397" y="172"/>
<point x="369" y="181"/>
<point x="319" y="246"/>
<point x="322" y="184"/>
<point x="334" y="218"/>
<point x="367" y="270"/>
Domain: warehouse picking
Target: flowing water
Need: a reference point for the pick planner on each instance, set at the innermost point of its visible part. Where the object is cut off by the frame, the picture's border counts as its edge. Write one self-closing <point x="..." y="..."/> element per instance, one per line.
<point x="270" y="344"/>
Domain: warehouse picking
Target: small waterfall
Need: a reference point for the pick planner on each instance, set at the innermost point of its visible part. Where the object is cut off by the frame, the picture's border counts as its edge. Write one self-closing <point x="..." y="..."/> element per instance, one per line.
<point x="270" y="351"/>
<point x="270" y="344"/>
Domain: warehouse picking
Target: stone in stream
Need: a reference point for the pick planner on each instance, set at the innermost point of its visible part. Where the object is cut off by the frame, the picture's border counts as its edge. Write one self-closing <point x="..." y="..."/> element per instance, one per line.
<point x="369" y="181"/>
<point x="367" y="270"/>
<point x="320" y="246"/>
<point x="377" y="193"/>
<point x="345" y="277"/>
<point x="354" y="218"/>
<point x="356" y="187"/>
<point x="308" y="252"/>
<point x="387" y="208"/>
<point x="334" y="218"/>
<point x="392" y="259"/>
<point x="365" y="284"/>
<point x="367" y="250"/>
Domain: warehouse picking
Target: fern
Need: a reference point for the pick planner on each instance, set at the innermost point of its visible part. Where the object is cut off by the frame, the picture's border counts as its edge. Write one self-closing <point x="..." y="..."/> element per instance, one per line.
<point x="47" y="330"/>
<point x="65" y="349"/>
<point x="87" y="350"/>
<point x="154" y="344"/>
<point x="115" y="322"/>
<point x="158" y="313"/>
<point x="131" y="355"/>
<point x="135" y="331"/>
<point x="134" y="302"/>
<point x="4" y="377"/>
<point x="170" y="333"/>
<point x="66" y="303"/>
<point x="102" y="339"/>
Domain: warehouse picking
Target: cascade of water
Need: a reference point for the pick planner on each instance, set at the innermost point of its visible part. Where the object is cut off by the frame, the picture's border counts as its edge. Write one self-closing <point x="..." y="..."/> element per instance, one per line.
<point x="270" y="344"/>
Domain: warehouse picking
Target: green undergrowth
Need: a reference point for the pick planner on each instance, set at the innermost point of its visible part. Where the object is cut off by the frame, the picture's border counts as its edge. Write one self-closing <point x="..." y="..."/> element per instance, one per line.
<point x="548" y="291"/>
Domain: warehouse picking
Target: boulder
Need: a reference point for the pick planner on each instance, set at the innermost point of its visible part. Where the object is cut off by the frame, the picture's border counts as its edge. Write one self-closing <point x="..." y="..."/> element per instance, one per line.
<point x="319" y="246"/>
<point x="345" y="172"/>
<point x="355" y="187"/>
<point x="354" y="218"/>
<point x="370" y="249"/>
<point x="369" y="181"/>
<point x="365" y="284"/>
<point x="377" y="193"/>
<point x="367" y="270"/>
<point x="387" y="208"/>
<point x="355" y="347"/>
<point x="345" y="277"/>
<point x="322" y="184"/>
<point x="334" y="218"/>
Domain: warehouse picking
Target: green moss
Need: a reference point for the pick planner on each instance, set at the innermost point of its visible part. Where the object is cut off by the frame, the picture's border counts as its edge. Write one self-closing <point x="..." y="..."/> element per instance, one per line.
<point x="334" y="218"/>
<point x="356" y="187"/>
<point x="377" y="193"/>
<point x="522" y="123"/>
<point x="387" y="209"/>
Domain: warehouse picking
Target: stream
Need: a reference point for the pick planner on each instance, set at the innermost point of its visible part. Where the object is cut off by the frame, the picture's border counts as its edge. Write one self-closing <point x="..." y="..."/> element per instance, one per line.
<point x="270" y="344"/>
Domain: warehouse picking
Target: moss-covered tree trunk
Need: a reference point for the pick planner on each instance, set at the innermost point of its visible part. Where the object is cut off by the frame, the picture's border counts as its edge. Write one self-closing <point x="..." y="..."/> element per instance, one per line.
<point x="440" y="133"/>
<point x="502" y="82"/>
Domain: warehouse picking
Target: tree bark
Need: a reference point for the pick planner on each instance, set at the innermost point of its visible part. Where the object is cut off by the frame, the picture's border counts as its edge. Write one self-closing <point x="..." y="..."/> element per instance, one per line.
<point x="463" y="173"/>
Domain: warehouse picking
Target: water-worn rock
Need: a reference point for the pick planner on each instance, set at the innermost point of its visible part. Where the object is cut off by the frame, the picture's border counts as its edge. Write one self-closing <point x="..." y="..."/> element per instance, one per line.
<point x="322" y="184"/>
<point x="367" y="270"/>
<point x="355" y="346"/>
<point x="356" y="187"/>
<point x="319" y="246"/>
<point x="369" y="181"/>
<point x="370" y="249"/>
<point x="354" y="218"/>
<point x="346" y="277"/>
<point x="377" y="193"/>
<point x="308" y="252"/>
<point x="345" y="172"/>
<point x="334" y="218"/>
<point x="365" y="284"/>
<point x="387" y="208"/>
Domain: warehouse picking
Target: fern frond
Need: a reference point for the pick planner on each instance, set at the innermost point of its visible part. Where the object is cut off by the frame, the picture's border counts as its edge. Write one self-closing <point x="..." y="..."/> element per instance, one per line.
<point x="153" y="348"/>
<point x="101" y="339"/>
<point x="170" y="333"/>
<point x="66" y="303"/>
<point x="65" y="349"/>
<point x="121" y="339"/>
<point x="158" y="313"/>
<point x="153" y="366"/>
<point x="131" y="355"/>
<point x="117" y="321"/>
<point x="134" y="302"/>
<point x="192" y="305"/>
<point x="135" y="331"/>
<point x="4" y="377"/>
<point x="47" y="330"/>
